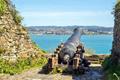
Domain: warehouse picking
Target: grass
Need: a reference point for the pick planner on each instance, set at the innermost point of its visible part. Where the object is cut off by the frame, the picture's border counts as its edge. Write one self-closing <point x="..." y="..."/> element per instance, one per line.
<point x="21" y="65"/>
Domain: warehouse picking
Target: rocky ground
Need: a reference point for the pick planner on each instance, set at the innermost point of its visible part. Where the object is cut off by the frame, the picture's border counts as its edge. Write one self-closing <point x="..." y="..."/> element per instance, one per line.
<point x="33" y="74"/>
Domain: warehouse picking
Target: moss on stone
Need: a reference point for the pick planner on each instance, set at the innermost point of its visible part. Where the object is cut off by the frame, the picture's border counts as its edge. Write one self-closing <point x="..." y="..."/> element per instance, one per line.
<point x="3" y="7"/>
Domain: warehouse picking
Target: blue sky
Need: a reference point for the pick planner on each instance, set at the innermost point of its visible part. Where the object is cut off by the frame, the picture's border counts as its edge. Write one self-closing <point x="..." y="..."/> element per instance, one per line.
<point x="66" y="12"/>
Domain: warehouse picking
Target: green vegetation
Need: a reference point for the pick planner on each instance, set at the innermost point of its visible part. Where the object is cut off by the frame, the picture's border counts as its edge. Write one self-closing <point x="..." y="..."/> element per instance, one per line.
<point x="112" y="71"/>
<point x="16" y="16"/>
<point x="3" y="7"/>
<point x="117" y="7"/>
<point x="21" y="65"/>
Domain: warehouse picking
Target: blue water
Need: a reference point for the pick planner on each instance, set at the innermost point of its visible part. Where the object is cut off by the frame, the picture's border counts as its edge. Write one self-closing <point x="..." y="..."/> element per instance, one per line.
<point x="101" y="44"/>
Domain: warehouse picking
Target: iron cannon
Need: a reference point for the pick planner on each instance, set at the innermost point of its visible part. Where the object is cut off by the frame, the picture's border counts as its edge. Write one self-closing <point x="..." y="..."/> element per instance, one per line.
<point x="70" y="47"/>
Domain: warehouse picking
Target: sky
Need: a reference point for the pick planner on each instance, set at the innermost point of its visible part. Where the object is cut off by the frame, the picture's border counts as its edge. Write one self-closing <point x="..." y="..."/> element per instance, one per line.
<point x="66" y="12"/>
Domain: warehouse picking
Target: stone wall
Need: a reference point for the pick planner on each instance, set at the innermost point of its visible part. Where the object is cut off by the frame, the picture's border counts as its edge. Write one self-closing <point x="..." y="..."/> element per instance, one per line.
<point x="14" y="39"/>
<point x="116" y="36"/>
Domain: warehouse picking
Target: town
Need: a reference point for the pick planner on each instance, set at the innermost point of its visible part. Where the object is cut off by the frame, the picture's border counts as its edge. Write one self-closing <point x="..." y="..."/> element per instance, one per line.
<point x="66" y="30"/>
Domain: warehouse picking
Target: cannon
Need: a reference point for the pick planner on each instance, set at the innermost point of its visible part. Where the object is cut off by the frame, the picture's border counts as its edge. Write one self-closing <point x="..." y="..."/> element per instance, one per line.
<point x="70" y="52"/>
<point x="70" y="47"/>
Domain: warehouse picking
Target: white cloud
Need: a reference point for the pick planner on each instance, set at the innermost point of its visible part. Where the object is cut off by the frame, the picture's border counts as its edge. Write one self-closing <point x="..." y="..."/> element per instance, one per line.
<point x="55" y="14"/>
<point x="103" y="18"/>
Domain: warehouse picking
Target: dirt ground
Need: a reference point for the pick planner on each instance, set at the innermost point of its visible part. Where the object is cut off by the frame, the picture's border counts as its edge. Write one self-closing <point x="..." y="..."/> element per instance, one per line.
<point x="95" y="73"/>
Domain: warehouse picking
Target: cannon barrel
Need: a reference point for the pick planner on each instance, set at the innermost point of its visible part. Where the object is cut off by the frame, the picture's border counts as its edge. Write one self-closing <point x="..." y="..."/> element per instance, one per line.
<point x="70" y="45"/>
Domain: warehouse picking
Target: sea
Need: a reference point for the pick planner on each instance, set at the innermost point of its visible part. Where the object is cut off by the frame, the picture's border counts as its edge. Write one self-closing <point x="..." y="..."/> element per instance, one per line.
<point x="100" y="44"/>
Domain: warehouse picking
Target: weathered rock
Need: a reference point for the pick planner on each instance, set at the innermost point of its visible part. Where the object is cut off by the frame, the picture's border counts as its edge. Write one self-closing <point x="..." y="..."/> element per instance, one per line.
<point x="14" y="37"/>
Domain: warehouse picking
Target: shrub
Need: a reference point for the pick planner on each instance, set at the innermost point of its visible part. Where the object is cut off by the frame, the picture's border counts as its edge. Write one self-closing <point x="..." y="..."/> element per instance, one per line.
<point x="16" y="16"/>
<point x="20" y="65"/>
<point x="18" y="19"/>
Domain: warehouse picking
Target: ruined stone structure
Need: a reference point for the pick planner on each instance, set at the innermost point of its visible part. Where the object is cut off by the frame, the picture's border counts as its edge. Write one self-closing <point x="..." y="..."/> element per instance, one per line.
<point x="14" y="39"/>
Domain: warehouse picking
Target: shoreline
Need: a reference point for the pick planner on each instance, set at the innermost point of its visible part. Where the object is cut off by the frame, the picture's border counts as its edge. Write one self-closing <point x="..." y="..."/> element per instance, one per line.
<point x="65" y="34"/>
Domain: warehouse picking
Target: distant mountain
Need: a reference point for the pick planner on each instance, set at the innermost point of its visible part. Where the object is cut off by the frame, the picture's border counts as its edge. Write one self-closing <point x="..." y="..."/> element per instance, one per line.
<point x="69" y="29"/>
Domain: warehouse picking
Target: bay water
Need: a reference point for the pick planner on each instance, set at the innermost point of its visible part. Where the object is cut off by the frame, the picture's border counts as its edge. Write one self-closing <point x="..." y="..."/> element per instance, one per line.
<point x="100" y="44"/>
